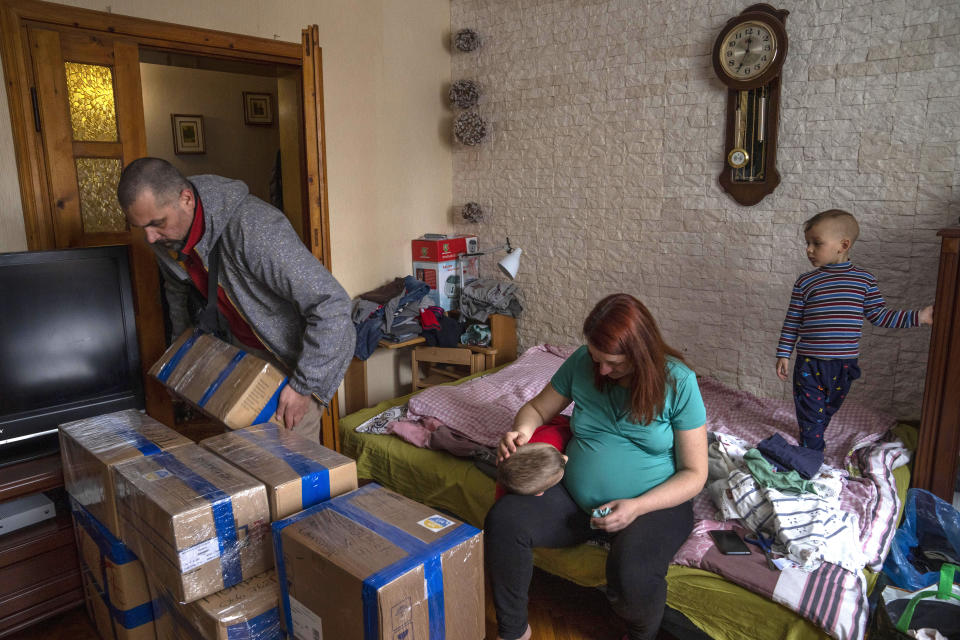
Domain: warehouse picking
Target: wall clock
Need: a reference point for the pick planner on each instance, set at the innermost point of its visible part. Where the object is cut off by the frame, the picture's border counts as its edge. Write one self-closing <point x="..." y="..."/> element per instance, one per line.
<point x="748" y="56"/>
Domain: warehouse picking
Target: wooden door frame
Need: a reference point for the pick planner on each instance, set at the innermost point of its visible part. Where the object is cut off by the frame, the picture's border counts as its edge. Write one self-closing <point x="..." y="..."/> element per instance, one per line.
<point x="17" y="15"/>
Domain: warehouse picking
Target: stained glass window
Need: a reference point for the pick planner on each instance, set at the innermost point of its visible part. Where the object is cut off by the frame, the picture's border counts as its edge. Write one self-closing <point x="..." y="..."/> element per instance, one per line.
<point x="93" y="113"/>
<point x="99" y="209"/>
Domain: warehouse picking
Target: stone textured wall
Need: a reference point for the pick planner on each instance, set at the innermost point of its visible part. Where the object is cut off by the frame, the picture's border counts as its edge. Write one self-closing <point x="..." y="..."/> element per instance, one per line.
<point x="605" y="142"/>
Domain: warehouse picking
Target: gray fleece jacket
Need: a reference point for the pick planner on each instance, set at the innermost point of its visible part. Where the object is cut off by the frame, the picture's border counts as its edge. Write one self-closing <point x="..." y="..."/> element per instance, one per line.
<point x="289" y="299"/>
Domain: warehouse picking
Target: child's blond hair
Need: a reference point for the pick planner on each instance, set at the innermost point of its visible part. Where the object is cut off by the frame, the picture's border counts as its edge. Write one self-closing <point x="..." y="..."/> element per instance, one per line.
<point x="531" y="469"/>
<point x="840" y="220"/>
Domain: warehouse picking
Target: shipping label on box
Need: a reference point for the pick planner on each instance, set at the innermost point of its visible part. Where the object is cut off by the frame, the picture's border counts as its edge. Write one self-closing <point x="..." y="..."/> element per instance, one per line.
<point x="443" y="249"/>
<point x="297" y="472"/>
<point x="90" y="448"/>
<point x="119" y="602"/>
<point x="443" y="278"/>
<point x="247" y="611"/>
<point x="228" y="384"/>
<point x="389" y="568"/>
<point x="198" y="523"/>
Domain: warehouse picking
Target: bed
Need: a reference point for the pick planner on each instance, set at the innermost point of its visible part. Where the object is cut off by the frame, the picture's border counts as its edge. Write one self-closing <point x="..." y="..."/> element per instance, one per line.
<point x="727" y="597"/>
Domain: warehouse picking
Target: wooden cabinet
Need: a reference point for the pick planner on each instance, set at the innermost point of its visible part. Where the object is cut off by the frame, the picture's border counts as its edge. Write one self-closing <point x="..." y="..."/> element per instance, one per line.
<point x="935" y="467"/>
<point x="39" y="568"/>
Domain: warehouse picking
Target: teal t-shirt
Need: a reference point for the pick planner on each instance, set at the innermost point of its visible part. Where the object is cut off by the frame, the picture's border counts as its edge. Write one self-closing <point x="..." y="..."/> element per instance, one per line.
<point x="611" y="456"/>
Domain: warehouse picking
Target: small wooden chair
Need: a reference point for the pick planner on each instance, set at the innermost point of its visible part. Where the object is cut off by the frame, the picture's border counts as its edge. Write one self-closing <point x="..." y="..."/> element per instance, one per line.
<point x="442" y="364"/>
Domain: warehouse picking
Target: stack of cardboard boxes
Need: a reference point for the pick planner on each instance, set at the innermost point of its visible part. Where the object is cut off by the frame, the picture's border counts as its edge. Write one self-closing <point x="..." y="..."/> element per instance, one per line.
<point x="177" y="541"/>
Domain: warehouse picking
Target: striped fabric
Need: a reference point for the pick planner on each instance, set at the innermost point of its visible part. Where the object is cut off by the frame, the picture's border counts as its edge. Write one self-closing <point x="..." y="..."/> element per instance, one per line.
<point x="826" y="313"/>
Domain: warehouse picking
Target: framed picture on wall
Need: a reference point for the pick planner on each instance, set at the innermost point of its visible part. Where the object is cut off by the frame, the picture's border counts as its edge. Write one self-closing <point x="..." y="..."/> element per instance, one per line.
<point x="188" y="133"/>
<point x="257" y="108"/>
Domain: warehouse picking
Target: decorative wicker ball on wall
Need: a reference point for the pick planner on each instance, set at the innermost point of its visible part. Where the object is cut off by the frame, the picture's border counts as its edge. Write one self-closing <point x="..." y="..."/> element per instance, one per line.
<point x="472" y="212"/>
<point x="464" y="93"/>
<point x="469" y="128"/>
<point x="466" y="40"/>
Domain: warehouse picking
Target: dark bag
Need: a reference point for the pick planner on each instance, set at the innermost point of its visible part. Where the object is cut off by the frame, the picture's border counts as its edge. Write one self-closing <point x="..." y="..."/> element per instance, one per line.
<point x="928" y="609"/>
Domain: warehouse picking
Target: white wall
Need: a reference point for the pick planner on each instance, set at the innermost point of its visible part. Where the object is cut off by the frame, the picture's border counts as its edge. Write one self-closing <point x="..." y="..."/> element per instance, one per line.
<point x="234" y="149"/>
<point x="606" y="140"/>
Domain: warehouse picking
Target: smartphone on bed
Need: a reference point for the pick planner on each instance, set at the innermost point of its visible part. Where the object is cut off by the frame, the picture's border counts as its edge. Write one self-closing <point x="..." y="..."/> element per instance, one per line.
<point x="729" y="543"/>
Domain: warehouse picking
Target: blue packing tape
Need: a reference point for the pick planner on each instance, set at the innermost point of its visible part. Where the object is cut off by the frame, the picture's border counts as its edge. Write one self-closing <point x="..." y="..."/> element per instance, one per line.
<point x="172" y="363"/>
<point x="222" y="508"/>
<point x="129" y="618"/>
<point x="265" y="626"/>
<point x="143" y="444"/>
<point x="110" y="547"/>
<point x="271" y="407"/>
<point x="227" y="370"/>
<point x="421" y="553"/>
<point x="314" y="477"/>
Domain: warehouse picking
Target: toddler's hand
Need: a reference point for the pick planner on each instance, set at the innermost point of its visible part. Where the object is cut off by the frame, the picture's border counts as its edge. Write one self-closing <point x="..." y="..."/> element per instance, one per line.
<point x="783" y="366"/>
<point x="926" y="315"/>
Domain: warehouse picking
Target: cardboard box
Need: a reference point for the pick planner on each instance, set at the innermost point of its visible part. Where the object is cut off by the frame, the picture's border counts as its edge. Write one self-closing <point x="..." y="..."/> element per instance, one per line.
<point x="92" y="447"/>
<point x="199" y="524"/>
<point x="443" y="249"/>
<point x="248" y="611"/>
<point x="389" y="568"/>
<point x="444" y="278"/>
<point x="118" y="601"/>
<point x="297" y="472"/>
<point x="226" y="383"/>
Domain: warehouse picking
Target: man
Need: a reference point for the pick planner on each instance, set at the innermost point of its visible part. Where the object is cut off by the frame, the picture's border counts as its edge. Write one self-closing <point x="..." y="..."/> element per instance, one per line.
<point x="275" y="299"/>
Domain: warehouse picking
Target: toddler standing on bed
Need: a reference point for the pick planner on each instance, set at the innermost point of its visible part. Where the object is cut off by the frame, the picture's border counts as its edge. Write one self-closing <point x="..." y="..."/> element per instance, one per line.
<point x="824" y="320"/>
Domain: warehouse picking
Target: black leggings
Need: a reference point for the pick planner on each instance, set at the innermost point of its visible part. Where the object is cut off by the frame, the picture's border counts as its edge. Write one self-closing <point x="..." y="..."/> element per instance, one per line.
<point x="636" y="566"/>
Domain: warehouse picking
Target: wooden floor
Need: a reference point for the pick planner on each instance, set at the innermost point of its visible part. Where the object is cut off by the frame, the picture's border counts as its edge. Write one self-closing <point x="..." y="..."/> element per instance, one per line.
<point x="559" y="610"/>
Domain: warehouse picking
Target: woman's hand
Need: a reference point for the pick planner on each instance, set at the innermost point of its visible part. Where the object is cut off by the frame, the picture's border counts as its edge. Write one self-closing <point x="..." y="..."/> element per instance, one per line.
<point x="540" y="410"/>
<point x="622" y="513"/>
<point x="509" y="443"/>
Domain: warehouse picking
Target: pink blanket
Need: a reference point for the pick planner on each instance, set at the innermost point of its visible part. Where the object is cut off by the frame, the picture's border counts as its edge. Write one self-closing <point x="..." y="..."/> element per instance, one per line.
<point x="482" y="409"/>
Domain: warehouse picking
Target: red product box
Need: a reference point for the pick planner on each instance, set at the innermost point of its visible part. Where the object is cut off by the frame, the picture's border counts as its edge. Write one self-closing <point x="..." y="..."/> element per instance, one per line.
<point x="442" y="249"/>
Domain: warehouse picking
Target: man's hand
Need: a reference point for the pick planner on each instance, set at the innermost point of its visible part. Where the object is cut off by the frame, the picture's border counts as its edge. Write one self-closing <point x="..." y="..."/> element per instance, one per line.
<point x="783" y="367"/>
<point x="291" y="407"/>
<point x="926" y="315"/>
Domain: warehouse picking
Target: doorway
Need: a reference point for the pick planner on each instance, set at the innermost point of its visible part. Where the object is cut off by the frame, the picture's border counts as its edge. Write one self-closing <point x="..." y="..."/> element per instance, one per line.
<point x="77" y="110"/>
<point x="249" y="114"/>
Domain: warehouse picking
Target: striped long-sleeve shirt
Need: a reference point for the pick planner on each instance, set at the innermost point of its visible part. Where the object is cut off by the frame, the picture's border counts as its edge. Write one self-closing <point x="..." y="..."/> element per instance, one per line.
<point x="826" y="313"/>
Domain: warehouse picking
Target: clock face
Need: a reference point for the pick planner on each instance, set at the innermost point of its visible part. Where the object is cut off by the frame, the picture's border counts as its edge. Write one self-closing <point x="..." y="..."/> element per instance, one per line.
<point x="748" y="50"/>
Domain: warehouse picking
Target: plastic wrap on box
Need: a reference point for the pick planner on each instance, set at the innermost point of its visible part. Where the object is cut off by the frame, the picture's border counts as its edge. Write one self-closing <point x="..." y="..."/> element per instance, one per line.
<point x="226" y="383"/>
<point x="373" y="564"/>
<point x="118" y="600"/>
<point x="247" y="611"/>
<point x="91" y="447"/>
<point x="297" y="472"/>
<point x="199" y="524"/>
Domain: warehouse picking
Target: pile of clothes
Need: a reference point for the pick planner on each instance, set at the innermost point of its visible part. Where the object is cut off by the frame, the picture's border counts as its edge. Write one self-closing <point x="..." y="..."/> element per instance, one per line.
<point x="391" y="311"/>
<point x="399" y="311"/>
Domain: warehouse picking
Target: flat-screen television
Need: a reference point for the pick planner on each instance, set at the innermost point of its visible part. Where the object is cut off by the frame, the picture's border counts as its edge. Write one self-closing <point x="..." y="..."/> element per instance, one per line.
<point x="68" y="344"/>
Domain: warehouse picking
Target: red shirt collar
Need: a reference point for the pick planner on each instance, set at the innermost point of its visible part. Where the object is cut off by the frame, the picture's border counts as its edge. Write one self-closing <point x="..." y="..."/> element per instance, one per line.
<point x="197" y="228"/>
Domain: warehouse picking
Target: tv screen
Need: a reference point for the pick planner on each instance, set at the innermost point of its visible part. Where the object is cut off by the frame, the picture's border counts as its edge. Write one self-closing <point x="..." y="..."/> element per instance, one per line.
<point x="68" y="343"/>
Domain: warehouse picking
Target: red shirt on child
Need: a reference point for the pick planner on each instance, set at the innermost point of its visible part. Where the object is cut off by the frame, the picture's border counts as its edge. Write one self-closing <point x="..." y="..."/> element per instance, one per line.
<point x="556" y="432"/>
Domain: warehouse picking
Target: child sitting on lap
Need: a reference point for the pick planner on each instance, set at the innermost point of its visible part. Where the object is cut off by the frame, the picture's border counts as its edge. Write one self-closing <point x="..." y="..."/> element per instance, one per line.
<point x="824" y="321"/>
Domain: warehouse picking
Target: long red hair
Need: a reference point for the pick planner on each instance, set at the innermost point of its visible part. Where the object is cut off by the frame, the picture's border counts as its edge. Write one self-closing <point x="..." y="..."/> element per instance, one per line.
<point x="621" y="325"/>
